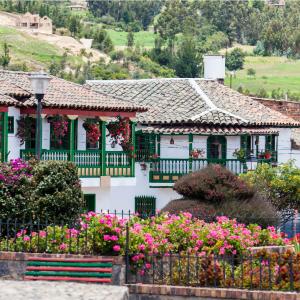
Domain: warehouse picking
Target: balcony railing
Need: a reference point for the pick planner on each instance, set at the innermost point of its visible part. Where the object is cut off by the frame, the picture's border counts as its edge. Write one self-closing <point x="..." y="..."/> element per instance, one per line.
<point x="170" y="170"/>
<point x="89" y="162"/>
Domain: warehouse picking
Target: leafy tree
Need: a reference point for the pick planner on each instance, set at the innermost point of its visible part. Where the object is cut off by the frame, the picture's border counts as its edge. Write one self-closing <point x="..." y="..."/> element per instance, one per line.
<point x="5" y="58"/>
<point x="280" y="185"/>
<point x="54" y="68"/>
<point x="74" y="25"/>
<point x="187" y="59"/>
<point x="259" y="49"/>
<point x="130" y="39"/>
<point x="235" y="59"/>
<point x="102" y="41"/>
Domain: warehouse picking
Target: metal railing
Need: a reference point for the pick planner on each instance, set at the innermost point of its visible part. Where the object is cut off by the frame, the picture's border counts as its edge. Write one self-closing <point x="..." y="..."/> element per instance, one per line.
<point x="260" y="271"/>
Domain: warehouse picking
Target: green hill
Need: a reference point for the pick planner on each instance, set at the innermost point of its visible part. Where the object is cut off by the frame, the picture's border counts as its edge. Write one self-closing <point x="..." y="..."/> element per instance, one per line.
<point x="32" y="51"/>
<point x="271" y="73"/>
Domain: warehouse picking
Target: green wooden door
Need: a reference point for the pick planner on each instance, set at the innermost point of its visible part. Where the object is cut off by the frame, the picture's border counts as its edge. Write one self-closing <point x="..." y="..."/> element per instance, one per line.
<point x="90" y="202"/>
<point x="145" y="205"/>
<point x="216" y="147"/>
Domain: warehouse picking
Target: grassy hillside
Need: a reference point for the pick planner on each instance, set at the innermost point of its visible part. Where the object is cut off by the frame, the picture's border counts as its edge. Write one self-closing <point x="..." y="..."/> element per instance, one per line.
<point x="271" y="73"/>
<point x="143" y="38"/>
<point x="27" y="49"/>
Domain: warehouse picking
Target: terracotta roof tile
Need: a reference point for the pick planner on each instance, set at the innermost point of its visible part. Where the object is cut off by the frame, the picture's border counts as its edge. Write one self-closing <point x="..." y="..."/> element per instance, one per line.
<point x="7" y="100"/>
<point x="208" y="129"/>
<point x="191" y="100"/>
<point x="65" y="94"/>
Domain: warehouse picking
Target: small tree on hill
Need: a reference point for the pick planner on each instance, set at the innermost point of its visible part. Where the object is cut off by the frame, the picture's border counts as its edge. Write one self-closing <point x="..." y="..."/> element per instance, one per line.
<point x="235" y="59"/>
<point x="5" y="58"/>
<point x="251" y="72"/>
<point x="130" y="39"/>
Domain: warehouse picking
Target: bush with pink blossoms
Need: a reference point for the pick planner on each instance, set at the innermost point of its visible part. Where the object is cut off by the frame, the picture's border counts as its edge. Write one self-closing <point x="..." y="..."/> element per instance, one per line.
<point x="106" y="234"/>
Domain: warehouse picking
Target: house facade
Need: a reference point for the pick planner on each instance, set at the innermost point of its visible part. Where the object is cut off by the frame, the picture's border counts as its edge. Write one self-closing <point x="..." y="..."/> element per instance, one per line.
<point x="35" y="23"/>
<point x="137" y="137"/>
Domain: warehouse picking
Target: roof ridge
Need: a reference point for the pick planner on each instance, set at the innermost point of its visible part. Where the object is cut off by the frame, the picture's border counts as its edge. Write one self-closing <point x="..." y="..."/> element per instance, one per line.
<point x="115" y="81"/>
<point x="203" y="95"/>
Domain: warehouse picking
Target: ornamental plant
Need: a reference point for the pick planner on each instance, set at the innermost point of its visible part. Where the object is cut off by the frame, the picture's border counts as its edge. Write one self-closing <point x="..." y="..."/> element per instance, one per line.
<point x="92" y="131"/>
<point x="26" y="128"/>
<point x="60" y="126"/>
<point x="161" y="235"/>
<point x="120" y="133"/>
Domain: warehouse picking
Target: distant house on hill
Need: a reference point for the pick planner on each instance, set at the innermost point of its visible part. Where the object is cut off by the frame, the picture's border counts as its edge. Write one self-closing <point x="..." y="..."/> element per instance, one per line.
<point x="35" y="22"/>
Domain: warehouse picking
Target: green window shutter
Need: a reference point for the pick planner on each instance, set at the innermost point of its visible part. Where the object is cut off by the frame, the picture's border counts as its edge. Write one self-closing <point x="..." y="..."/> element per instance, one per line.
<point x="145" y="205"/>
<point x="90" y="202"/>
<point x="11" y="124"/>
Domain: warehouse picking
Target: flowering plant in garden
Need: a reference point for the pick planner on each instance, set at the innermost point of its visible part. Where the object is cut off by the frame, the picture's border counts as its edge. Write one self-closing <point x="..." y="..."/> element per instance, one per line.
<point x="120" y="133"/>
<point x="92" y="131"/>
<point x="162" y="234"/>
<point x="239" y="154"/>
<point x="196" y="153"/>
<point x="60" y="126"/>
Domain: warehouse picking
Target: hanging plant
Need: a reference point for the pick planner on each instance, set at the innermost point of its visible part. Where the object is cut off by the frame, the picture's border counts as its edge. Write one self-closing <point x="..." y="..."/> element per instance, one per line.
<point x="26" y="128"/>
<point x="92" y="130"/>
<point x="60" y="126"/>
<point x="120" y="133"/>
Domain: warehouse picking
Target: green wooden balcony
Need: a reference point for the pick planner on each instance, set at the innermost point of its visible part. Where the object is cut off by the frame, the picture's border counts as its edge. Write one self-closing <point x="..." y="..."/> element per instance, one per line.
<point x="169" y="170"/>
<point x="89" y="162"/>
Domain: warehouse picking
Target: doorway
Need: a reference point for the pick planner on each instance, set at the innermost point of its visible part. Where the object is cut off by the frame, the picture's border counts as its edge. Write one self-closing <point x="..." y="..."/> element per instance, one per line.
<point x="216" y="147"/>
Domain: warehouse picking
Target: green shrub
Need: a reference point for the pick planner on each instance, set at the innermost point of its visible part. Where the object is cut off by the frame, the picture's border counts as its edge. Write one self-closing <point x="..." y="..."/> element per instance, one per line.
<point x="56" y="191"/>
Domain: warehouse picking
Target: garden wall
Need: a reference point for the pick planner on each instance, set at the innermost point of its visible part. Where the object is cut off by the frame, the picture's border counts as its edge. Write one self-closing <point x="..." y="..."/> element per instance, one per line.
<point x="163" y="292"/>
<point x="13" y="264"/>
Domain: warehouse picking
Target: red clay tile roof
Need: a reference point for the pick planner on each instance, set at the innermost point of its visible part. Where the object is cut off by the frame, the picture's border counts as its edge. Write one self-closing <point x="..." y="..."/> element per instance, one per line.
<point x="7" y="100"/>
<point x="208" y="129"/>
<point x="65" y="94"/>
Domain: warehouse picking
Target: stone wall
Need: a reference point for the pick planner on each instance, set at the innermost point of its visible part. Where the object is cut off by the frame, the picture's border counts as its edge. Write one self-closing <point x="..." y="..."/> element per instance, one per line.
<point x="13" y="264"/>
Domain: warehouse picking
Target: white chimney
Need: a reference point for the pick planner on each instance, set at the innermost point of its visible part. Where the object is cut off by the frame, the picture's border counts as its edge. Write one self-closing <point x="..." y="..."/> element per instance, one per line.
<point x="214" y="67"/>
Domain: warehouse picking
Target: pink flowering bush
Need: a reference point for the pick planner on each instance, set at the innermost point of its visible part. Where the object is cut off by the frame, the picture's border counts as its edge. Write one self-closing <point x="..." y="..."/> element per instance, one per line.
<point x="163" y="234"/>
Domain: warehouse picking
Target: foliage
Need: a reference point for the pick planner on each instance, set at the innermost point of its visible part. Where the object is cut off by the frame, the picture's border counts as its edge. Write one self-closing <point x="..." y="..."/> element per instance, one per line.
<point x="239" y="154"/>
<point x="262" y="93"/>
<point x="60" y="127"/>
<point x="92" y="130"/>
<point x="39" y="190"/>
<point x="5" y="58"/>
<point x="214" y="184"/>
<point x="74" y="25"/>
<point x="235" y="59"/>
<point x="130" y="39"/>
<point x="106" y="234"/>
<point x="280" y="184"/>
<point x="26" y="128"/>
<point x="251" y="72"/>
<point x="15" y="189"/>
<point x="187" y="59"/>
<point x="102" y="41"/>
<point x="120" y="133"/>
<point x="56" y="191"/>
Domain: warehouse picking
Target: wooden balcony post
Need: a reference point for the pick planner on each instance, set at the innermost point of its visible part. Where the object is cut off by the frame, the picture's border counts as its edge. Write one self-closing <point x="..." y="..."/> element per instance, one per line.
<point x="103" y="146"/>
<point x="132" y="162"/>
<point x="72" y="119"/>
<point x="4" y="137"/>
<point x="190" y="151"/>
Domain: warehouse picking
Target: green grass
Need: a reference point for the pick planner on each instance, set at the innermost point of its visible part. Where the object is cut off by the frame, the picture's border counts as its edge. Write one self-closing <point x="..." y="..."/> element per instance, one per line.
<point x="271" y="73"/>
<point x="142" y="38"/>
<point x="32" y="51"/>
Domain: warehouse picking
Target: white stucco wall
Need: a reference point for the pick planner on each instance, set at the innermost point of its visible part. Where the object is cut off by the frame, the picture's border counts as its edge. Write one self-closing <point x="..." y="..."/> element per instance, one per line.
<point x="13" y="141"/>
<point x="233" y="143"/>
<point x="285" y="148"/>
<point x="180" y="148"/>
<point x="46" y="134"/>
<point x="120" y="195"/>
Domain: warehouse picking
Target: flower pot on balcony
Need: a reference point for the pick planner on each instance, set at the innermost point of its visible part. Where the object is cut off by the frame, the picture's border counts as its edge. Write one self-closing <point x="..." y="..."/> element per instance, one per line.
<point x="143" y="166"/>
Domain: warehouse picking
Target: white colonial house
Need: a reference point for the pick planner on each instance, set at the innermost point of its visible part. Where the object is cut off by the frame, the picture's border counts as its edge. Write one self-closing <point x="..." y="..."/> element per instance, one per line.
<point x="134" y="138"/>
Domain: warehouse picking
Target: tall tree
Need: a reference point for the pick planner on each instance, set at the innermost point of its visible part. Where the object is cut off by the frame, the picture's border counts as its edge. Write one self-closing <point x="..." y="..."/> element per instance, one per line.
<point x="130" y="39"/>
<point x="187" y="59"/>
<point x="5" y="58"/>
